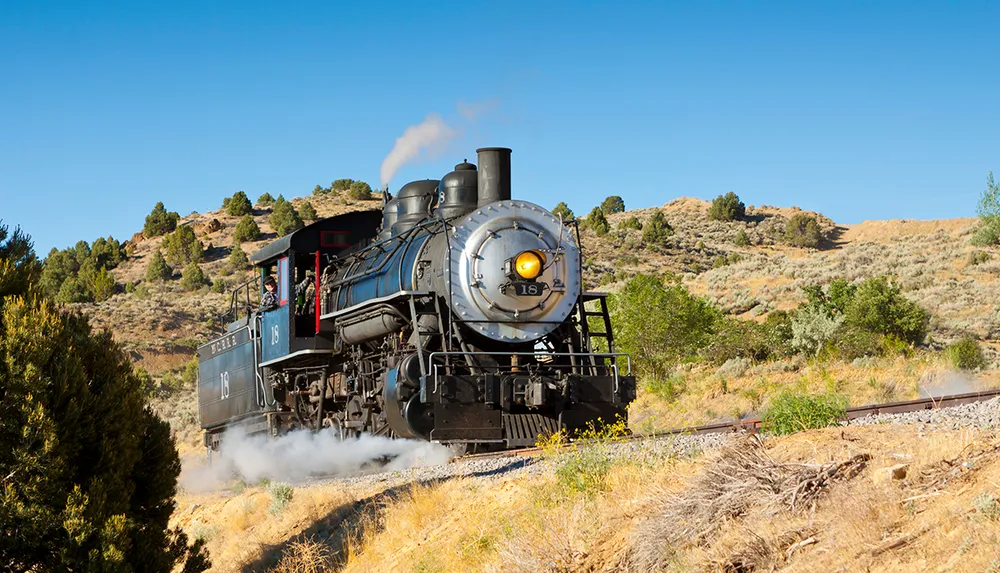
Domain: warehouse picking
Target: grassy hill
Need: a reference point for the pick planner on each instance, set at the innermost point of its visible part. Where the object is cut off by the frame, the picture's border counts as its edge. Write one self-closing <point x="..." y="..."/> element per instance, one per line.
<point x="744" y="267"/>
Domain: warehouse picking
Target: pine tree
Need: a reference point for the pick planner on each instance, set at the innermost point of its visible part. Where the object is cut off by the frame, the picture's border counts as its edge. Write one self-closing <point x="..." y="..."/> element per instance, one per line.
<point x="192" y="277"/>
<point x="246" y="230"/>
<point x="265" y="200"/>
<point x="598" y="222"/>
<point x="613" y="204"/>
<point x="238" y="260"/>
<point x="239" y="205"/>
<point x="158" y="269"/>
<point x="307" y="211"/>
<point x="284" y="219"/>
<point x="160" y="222"/>
<point x="561" y="209"/>
<point x="657" y="230"/>
<point x="183" y="246"/>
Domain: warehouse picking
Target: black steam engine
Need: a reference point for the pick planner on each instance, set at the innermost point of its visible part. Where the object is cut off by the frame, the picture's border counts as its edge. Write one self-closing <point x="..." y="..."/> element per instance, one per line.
<point x="455" y="314"/>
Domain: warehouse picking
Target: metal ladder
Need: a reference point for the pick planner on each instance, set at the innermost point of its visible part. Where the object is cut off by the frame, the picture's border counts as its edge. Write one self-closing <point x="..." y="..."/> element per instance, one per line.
<point x="587" y="335"/>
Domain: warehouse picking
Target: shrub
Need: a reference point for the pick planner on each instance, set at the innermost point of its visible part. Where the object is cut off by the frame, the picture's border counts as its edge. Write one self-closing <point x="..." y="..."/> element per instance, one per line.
<point x="597" y="222"/>
<point x="585" y="470"/>
<point x="341" y="185"/>
<point x="220" y="286"/>
<point x="182" y="246"/>
<point x="657" y="230"/>
<point x="158" y="269"/>
<point x="189" y="376"/>
<point x="238" y="260"/>
<point x="660" y="323"/>
<point x="613" y="204"/>
<point x="790" y="412"/>
<point x="360" y="191"/>
<point x="284" y="219"/>
<point x="726" y="207"/>
<point x="159" y="221"/>
<point x="265" y="200"/>
<point x="192" y="278"/>
<point x="966" y="354"/>
<point x="988" y="210"/>
<point x="281" y="496"/>
<point x="978" y="257"/>
<point x="239" y="205"/>
<point x="742" y="240"/>
<point x="878" y="306"/>
<point x="812" y="328"/>
<point x="561" y="210"/>
<point x="246" y="230"/>
<point x="307" y="211"/>
<point x="667" y="388"/>
<point x="803" y="231"/>
<point x="632" y="222"/>
<point x="89" y="471"/>
<point x="73" y="290"/>
<point x="102" y="285"/>
<point x="320" y="190"/>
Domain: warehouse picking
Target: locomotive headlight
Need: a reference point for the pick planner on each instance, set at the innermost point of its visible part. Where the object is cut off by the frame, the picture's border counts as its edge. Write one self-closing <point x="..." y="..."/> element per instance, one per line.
<point x="528" y="265"/>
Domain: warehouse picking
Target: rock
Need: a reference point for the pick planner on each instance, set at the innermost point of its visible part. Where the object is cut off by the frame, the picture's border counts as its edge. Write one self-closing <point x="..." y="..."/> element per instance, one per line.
<point x="894" y="472"/>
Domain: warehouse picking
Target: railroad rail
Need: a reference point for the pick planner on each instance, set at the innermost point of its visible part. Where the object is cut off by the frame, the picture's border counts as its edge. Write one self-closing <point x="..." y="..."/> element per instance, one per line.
<point x="754" y="425"/>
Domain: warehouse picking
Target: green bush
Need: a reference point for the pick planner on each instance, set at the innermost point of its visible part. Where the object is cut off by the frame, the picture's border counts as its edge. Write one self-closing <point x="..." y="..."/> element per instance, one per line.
<point x="727" y="207"/>
<point x="265" y="200"/>
<point x="158" y="269"/>
<point x="803" y="231"/>
<point x="742" y="239"/>
<point x="182" y="246"/>
<point x="192" y="278"/>
<point x="988" y="210"/>
<point x="238" y="260"/>
<point x="89" y="472"/>
<point x="657" y="230"/>
<point x="102" y="285"/>
<point x="189" y="376"/>
<point x="613" y="204"/>
<point x="632" y="222"/>
<point x="239" y="205"/>
<point x="360" y="191"/>
<point x="561" y="210"/>
<point x="966" y="354"/>
<point x="341" y="185"/>
<point x="246" y="230"/>
<point x="320" y="190"/>
<point x="597" y="222"/>
<point x="813" y="328"/>
<point x="660" y="324"/>
<point x="220" y="286"/>
<point x="159" y="221"/>
<point x="88" y="265"/>
<point x="791" y="412"/>
<point x="307" y="211"/>
<point x="281" y="496"/>
<point x="284" y="219"/>
<point x="585" y="470"/>
<point x="878" y="306"/>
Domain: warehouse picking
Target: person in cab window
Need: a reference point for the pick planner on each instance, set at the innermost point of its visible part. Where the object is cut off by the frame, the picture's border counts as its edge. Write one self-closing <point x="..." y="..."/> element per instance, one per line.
<point x="303" y="291"/>
<point x="270" y="299"/>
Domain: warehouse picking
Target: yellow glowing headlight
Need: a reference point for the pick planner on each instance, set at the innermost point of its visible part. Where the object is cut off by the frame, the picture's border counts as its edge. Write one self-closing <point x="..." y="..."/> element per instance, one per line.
<point x="528" y="264"/>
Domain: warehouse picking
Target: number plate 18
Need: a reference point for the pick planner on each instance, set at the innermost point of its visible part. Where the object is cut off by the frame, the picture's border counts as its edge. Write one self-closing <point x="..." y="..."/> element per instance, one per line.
<point x="529" y="289"/>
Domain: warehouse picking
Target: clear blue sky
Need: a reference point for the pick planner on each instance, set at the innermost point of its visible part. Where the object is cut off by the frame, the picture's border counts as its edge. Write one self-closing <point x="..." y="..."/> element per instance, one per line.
<point x="860" y="110"/>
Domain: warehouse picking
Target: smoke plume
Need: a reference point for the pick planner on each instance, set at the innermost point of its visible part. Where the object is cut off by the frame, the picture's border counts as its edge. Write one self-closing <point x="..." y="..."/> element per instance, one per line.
<point x="300" y="455"/>
<point x="427" y="139"/>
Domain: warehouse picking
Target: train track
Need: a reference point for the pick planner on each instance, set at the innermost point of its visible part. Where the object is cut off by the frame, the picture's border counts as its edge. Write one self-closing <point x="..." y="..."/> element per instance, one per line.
<point x="754" y="425"/>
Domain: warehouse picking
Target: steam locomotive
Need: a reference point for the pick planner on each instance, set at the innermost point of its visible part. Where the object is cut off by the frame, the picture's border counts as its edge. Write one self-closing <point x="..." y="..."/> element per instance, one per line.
<point x="454" y="314"/>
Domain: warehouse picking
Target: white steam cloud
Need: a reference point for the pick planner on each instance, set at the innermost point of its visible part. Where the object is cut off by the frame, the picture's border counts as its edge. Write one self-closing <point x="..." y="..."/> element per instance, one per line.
<point x="427" y="139"/>
<point x="300" y="455"/>
<point x="430" y="138"/>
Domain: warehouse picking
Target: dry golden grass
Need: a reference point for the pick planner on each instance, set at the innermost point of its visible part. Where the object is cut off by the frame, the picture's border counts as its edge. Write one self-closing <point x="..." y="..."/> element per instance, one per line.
<point x="708" y="397"/>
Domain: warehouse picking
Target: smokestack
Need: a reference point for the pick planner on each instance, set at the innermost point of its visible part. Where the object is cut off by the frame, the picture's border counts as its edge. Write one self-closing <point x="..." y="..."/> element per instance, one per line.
<point x="494" y="174"/>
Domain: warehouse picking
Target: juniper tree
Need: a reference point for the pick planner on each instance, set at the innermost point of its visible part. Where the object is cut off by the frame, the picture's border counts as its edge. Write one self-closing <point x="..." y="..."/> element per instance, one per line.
<point x="89" y="472"/>
<point x="284" y="219"/>
<point x="159" y="221"/>
<point x="246" y="230"/>
<point x="183" y="246"/>
<point x="158" y="269"/>
<point x="239" y="205"/>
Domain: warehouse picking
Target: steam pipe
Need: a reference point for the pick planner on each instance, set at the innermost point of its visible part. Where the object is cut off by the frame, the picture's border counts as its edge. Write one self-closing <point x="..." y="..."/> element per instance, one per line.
<point x="494" y="174"/>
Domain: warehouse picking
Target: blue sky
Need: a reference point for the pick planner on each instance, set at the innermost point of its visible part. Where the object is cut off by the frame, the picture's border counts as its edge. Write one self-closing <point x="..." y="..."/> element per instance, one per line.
<point x="859" y="110"/>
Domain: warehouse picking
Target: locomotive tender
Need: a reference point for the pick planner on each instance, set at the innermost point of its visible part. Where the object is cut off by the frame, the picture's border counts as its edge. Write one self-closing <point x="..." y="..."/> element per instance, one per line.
<point x="454" y="314"/>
